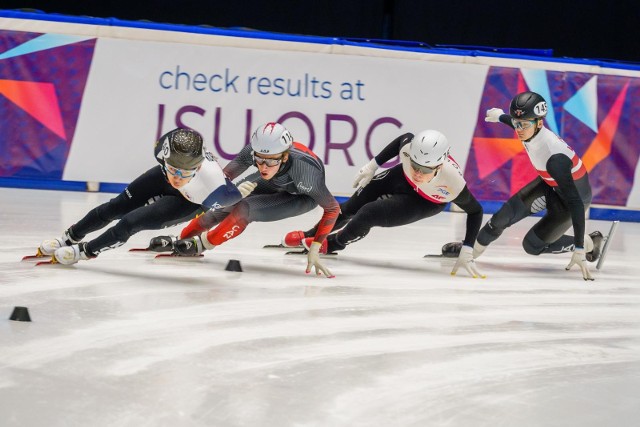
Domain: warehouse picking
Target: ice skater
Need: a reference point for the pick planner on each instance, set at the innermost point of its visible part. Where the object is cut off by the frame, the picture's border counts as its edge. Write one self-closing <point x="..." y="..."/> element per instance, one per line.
<point x="186" y="181"/>
<point x="420" y="186"/>
<point x="290" y="181"/>
<point x="561" y="187"/>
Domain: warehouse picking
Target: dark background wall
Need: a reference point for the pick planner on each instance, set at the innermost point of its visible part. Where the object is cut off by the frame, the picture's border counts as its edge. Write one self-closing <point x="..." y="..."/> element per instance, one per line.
<point x="577" y="29"/>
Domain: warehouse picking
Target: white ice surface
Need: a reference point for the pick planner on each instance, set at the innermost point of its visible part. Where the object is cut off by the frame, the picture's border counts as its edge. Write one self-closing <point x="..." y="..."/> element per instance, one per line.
<point x="393" y="340"/>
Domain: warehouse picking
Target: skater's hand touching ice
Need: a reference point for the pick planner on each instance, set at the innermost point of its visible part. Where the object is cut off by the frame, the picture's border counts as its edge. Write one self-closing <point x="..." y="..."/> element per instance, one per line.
<point x="313" y="260"/>
<point x="465" y="259"/>
<point x="579" y="258"/>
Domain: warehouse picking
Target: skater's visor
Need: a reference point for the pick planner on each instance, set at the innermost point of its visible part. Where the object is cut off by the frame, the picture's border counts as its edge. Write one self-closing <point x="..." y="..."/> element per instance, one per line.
<point x="425" y="170"/>
<point x="182" y="173"/>
<point x="269" y="162"/>
<point x="522" y="124"/>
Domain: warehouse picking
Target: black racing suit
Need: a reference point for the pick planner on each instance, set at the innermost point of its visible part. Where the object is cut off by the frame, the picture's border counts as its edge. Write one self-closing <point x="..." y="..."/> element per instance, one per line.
<point x="149" y="202"/>
<point x="390" y="201"/>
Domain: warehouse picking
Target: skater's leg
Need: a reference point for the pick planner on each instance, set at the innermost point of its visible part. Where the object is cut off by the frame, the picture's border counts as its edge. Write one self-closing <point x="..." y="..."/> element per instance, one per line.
<point x="394" y="211"/>
<point x="166" y="212"/>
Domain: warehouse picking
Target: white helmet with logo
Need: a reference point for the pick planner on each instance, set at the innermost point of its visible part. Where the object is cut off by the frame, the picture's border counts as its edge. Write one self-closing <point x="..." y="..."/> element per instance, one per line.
<point x="429" y="148"/>
<point x="271" y="138"/>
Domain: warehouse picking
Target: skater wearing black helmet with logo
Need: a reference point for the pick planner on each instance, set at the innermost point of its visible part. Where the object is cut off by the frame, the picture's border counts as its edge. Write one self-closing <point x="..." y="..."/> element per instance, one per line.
<point x="188" y="180"/>
<point x="561" y="187"/>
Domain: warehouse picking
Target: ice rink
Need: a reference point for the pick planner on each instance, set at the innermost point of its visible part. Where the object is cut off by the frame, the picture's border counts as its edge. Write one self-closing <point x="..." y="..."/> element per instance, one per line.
<point x="392" y="340"/>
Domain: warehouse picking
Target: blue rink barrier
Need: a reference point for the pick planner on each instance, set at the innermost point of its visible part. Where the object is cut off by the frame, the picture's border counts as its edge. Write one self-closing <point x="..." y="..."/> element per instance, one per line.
<point x="59" y="185"/>
<point x="490" y="207"/>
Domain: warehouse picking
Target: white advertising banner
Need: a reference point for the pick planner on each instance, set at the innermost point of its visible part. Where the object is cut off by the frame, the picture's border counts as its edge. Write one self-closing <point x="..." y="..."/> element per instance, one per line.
<point x="346" y="108"/>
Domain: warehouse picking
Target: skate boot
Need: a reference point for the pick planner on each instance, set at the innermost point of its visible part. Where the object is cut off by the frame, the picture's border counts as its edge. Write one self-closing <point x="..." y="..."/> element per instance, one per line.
<point x="68" y="255"/>
<point x="594" y="254"/>
<point x="309" y="240"/>
<point x="162" y="243"/>
<point x="189" y="247"/>
<point x="293" y="239"/>
<point x="48" y="247"/>
<point x="451" y="249"/>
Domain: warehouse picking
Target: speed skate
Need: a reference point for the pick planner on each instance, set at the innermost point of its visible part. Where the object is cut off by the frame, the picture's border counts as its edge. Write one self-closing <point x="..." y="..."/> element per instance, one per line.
<point x="178" y="256"/>
<point x="449" y="250"/>
<point x="164" y="254"/>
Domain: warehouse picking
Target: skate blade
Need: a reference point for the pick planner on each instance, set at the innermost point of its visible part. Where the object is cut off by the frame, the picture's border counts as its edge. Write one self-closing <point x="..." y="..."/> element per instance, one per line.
<point x="305" y="252"/>
<point x="443" y="255"/>
<point x="172" y="255"/>
<point x="38" y="255"/>
<point x="301" y="252"/>
<point x="605" y="246"/>
<point x="281" y="246"/>
<point x="32" y="257"/>
<point x="51" y="261"/>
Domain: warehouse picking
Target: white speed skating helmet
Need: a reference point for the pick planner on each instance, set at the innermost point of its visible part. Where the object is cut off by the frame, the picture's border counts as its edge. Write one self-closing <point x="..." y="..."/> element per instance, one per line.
<point x="429" y="148"/>
<point x="271" y="138"/>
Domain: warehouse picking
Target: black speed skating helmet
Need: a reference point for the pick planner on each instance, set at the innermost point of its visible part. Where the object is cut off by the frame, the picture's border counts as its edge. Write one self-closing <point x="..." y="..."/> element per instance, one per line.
<point x="182" y="148"/>
<point x="528" y="106"/>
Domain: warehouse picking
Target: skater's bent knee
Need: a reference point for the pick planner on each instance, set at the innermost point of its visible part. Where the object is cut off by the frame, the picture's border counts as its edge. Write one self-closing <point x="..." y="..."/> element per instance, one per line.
<point x="533" y="245"/>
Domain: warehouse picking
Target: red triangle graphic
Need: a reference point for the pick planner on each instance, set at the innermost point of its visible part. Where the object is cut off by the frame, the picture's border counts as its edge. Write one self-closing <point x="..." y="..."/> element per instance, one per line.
<point x="492" y="153"/>
<point x="39" y="100"/>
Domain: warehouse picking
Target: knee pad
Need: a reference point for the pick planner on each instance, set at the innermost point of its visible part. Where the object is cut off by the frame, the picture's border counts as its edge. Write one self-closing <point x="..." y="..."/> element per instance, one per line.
<point x="532" y="244"/>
